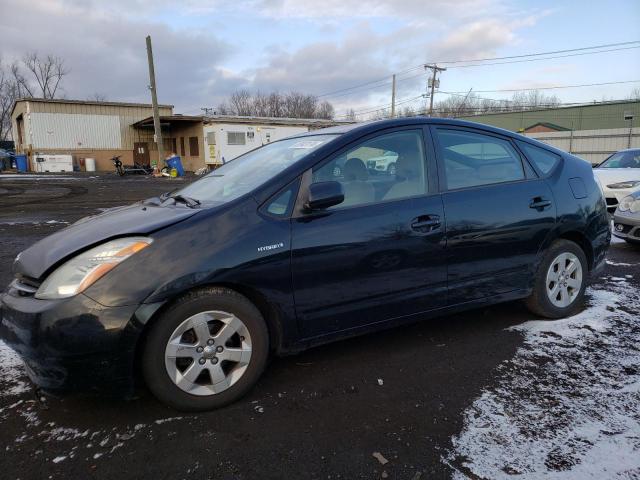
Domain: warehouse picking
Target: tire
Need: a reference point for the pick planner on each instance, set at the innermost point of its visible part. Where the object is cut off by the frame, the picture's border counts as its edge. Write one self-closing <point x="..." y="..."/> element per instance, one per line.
<point x="569" y="287"/>
<point x="391" y="169"/>
<point x="206" y="391"/>
<point x="120" y="170"/>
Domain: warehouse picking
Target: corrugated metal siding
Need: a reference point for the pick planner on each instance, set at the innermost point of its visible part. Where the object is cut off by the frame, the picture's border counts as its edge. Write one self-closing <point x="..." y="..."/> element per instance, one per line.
<point x="592" y="145"/>
<point x="584" y="117"/>
<point x="126" y="115"/>
<point x="68" y="130"/>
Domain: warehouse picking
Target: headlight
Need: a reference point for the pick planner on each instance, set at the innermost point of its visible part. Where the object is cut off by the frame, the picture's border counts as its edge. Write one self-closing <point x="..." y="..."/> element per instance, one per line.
<point x="630" y="204"/>
<point x="85" y="269"/>
<point x="629" y="184"/>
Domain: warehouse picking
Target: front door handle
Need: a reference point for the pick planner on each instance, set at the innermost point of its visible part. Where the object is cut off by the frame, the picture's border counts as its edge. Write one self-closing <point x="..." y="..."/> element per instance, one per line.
<point x="540" y="203"/>
<point x="426" y="223"/>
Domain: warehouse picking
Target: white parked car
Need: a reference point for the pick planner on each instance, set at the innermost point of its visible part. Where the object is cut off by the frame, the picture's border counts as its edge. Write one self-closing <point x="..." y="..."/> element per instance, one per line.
<point x="385" y="163"/>
<point x="619" y="176"/>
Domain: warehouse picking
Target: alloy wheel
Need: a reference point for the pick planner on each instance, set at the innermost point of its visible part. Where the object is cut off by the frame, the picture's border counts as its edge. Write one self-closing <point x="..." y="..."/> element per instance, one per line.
<point x="564" y="280"/>
<point x="208" y="352"/>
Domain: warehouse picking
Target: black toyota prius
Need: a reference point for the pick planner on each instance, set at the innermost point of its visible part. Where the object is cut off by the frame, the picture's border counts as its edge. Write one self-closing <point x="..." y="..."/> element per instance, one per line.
<point x="280" y="250"/>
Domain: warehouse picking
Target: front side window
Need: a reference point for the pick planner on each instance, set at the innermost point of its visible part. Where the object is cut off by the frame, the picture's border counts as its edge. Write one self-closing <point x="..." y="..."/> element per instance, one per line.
<point x="628" y="159"/>
<point x="386" y="167"/>
<point x="247" y="172"/>
<point x="473" y="159"/>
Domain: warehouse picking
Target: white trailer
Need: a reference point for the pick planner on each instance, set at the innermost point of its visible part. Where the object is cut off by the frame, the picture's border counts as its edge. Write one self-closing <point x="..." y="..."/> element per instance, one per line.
<point x="226" y="141"/>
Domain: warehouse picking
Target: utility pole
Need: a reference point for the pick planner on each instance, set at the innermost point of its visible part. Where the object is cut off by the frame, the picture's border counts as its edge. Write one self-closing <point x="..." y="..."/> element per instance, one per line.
<point x="157" y="136"/>
<point x="434" y="69"/>
<point x="393" y="96"/>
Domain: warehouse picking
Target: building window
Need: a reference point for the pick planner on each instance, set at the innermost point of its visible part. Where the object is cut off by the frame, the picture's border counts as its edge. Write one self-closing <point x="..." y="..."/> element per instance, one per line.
<point x="169" y="145"/>
<point x="182" y="152"/>
<point x="194" y="150"/>
<point x="236" y="138"/>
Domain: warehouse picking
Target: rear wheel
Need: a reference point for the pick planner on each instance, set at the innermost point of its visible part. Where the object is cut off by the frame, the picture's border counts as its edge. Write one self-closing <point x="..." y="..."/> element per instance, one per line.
<point x="206" y="351"/>
<point x="560" y="281"/>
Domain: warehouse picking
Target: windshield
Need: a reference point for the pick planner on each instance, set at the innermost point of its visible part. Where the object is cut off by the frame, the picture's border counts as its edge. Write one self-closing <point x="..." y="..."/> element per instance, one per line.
<point x="628" y="159"/>
<point x="243" y="174"/>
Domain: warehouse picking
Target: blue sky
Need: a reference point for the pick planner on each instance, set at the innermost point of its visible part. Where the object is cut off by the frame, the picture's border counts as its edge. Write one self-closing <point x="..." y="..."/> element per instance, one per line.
<point x="206" y="49"/>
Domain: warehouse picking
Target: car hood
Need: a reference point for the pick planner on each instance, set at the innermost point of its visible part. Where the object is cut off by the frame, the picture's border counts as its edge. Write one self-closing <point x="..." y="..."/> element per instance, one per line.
<point x="137" y="219"/>
<point x="607" y="176"/>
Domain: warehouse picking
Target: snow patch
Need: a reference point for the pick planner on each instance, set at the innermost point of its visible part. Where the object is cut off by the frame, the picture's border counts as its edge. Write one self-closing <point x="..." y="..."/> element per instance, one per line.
<point x="566" y="405"/>
<point x="618" y="264"/>
<point x="165" y="420"/>
<point x="13" y="379"/>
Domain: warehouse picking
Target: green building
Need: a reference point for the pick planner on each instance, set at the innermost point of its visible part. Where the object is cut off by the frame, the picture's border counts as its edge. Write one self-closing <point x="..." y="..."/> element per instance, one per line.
<point x="597" y="116"/>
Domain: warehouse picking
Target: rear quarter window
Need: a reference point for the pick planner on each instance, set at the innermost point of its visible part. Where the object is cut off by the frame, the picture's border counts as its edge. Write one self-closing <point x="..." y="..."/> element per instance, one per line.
<point x="541" y="158"/>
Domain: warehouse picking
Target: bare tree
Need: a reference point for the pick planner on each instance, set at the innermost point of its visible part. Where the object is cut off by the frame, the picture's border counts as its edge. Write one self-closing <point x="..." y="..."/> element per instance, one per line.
<point x="325" y="110"/>
<point x="472" y="104"/>
<point x="408" y="111"/>
<point x="635" y="94"/>
<point x="39" y="76"/>
<point x="8" y="95"/>
<point x="291" y="104"/>
<point x="350" y="116"/>
<point x="97" y="97"/>
<point x="241" y="103"/>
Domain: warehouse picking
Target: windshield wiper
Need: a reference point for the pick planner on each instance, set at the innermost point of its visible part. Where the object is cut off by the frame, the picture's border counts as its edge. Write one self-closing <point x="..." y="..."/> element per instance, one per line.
<point x="188" y="201"/>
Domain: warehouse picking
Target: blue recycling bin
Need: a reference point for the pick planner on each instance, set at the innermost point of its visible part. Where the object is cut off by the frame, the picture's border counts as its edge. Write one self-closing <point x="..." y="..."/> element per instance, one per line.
<point x="175" y="162"/>
<point x="21" y="163"/>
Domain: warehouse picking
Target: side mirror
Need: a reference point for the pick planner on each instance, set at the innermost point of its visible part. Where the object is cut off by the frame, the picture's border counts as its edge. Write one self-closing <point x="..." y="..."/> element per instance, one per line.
<point x="324" y="195"/>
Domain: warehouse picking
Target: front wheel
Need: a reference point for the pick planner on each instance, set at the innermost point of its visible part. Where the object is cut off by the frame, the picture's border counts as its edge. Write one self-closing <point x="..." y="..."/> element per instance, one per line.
<point x="205" y="351"/>
<point x="391" y="169"/>
<point x="560" y="282"/>
<point x="120" y="170"/>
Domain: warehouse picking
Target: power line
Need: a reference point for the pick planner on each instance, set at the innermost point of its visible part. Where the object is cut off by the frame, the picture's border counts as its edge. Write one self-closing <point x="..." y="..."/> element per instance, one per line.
<point x="545" y="53"/>
<point x="541" y="59"/>
<point x="476" y="63"/>
<point x="383" y="106"/>
<point x="549" y="88"/>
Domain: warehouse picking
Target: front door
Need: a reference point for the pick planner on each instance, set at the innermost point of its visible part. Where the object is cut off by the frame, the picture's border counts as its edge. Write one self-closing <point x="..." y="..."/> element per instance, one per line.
<point x="141" y="153"/>
<point x="498" y="213"/>
<point x="380" y="254"/>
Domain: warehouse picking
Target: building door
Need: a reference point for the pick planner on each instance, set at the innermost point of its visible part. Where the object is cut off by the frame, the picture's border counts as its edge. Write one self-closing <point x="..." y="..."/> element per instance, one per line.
<point x="141" y="153"/>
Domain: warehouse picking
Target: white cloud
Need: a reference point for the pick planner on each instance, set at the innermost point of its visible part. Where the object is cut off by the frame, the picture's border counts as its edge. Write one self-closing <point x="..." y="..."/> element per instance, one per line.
<point x="103" y="44"/>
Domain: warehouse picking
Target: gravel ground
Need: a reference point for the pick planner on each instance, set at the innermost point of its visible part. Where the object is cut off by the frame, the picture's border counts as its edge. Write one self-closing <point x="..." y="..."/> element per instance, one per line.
<point x="490" y="393"/>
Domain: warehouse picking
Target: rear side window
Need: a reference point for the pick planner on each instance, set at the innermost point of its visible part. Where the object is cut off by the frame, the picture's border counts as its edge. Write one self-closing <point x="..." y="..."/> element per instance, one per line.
<point x="473" y="159"/>
<point x="543" y="159"/>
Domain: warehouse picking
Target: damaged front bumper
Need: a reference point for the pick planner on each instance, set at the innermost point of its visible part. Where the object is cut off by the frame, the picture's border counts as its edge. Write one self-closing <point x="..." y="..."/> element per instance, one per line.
<point x="70" y="344"/>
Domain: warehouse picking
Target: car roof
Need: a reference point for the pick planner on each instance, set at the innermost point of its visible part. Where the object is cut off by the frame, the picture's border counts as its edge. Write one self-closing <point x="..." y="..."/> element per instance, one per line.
<point x="371" y="126"/>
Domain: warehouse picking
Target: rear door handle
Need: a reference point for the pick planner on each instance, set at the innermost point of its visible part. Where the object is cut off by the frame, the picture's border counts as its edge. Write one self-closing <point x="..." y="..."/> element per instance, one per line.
<point x="540" y="203"/>
<point x="425" y="223"/>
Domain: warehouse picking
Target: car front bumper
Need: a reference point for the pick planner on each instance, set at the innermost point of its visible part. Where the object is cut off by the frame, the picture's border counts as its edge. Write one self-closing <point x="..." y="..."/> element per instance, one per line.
<point x="626" y="225"/>
<point x="71" y="344"/>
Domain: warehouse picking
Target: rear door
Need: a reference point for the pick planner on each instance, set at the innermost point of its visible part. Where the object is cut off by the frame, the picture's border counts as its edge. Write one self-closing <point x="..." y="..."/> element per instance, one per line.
<point x="498" y="213"/>
<point x="380" y="254"/>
